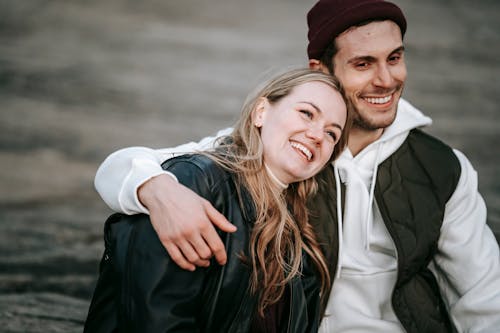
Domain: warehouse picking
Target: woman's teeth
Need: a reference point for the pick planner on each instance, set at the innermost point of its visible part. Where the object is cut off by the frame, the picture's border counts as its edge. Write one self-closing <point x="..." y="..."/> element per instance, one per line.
<point x="303" y="149"/>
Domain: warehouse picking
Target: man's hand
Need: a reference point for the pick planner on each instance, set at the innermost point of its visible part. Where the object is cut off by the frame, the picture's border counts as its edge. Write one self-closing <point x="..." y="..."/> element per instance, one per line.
<point x="184" y="222"/>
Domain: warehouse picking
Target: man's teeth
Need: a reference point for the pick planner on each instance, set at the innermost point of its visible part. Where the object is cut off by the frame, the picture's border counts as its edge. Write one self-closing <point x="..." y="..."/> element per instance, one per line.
<point x="379" y="100"/>
<point x="303" y="149"/>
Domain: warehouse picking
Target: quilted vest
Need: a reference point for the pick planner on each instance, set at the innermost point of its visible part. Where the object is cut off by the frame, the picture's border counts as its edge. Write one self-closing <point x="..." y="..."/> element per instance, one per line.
<point x="412" y="188"/>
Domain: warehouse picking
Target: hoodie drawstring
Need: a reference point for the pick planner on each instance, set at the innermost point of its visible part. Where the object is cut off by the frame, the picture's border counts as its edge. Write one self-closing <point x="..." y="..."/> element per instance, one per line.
<point x="368" y="218"/>
<point x="339" y="219"/>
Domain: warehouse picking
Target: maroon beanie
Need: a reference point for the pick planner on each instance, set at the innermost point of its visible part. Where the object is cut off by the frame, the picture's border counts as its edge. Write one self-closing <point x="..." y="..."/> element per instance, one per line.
<point x="329" y="18"/>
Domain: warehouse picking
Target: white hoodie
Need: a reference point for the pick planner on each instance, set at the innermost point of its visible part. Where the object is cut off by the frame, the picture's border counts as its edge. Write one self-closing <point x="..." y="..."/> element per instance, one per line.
<point x="467" y="265"/>
<point x="366" y="274"/>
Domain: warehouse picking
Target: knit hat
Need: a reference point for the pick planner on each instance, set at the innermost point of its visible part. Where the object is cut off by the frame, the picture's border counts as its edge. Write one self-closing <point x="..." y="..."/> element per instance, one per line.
<point x="329" y="18"/>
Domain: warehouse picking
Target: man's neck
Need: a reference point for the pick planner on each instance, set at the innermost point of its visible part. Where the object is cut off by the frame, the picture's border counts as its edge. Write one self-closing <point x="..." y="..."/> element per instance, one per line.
<point x="359" y="138"/>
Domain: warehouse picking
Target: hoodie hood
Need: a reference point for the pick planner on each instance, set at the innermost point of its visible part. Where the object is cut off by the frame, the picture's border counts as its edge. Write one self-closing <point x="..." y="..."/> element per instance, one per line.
<point x="407" y="118"/>
<point x="358" y="173"/>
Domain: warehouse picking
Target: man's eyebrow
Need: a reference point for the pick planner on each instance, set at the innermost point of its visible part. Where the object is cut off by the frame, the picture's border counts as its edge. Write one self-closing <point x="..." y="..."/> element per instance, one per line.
<point x="373" y="59"/>
<point x="362" y="58"/>
<point x="399" y="49"/>
<point x="319" y="111"/>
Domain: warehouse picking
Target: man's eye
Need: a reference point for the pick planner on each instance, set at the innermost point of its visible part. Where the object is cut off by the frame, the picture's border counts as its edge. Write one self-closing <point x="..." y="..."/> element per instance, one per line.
<point x="362" y="65"/>
<point x="308" y="114"/>
<point x="394" y="59"/>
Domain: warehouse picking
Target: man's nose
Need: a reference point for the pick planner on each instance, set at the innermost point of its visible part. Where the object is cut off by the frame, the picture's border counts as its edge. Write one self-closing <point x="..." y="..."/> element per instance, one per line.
<point x="384" y="76"/>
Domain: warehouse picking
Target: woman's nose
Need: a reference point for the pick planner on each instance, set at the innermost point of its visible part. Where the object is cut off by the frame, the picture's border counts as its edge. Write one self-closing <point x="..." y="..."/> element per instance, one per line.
<point x="315" y="133"/>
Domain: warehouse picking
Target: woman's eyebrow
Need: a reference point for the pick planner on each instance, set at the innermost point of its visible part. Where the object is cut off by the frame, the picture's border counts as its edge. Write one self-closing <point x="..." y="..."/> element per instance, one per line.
<point x="319" y="110"/>
<point x="313" y="105"/>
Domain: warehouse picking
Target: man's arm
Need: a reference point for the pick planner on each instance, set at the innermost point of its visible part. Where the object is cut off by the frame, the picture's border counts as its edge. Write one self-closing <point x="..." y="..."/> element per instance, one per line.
<point x="132" y="181"/>
<point x="124" y="171"/>
<point x="467" y="265"/>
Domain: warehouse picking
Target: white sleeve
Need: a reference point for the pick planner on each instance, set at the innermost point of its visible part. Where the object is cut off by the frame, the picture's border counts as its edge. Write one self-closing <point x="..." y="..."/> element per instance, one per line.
<point x="124" y="171"/>
<point x="467" y="265"/>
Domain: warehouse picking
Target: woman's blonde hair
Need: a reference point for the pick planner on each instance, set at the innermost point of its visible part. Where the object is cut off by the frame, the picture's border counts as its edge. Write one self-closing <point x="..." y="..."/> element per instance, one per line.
<point x="281" y="230"/>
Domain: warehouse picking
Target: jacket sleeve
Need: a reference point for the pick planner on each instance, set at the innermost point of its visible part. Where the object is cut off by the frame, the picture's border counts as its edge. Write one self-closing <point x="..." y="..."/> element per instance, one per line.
<point x="157" y="295"/>
<point x="124" y="171"/>
<point x="467" y="265"/>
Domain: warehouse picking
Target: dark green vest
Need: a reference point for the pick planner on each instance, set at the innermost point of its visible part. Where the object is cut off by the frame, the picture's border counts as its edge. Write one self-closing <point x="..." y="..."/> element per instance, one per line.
<point x="413" y="186"/>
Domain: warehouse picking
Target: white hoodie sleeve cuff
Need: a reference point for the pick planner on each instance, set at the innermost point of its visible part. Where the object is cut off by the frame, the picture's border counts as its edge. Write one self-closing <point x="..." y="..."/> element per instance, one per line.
<point x="141" y="171"/>
<point x="124" y="171"/>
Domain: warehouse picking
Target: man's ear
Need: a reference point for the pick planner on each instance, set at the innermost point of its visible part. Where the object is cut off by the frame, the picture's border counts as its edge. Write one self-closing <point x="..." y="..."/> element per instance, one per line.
<point x="317" y="65"/>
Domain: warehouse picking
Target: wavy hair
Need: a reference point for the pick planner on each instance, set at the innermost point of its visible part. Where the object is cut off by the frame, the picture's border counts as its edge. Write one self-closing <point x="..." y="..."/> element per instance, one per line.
<point x="281" y="230"/>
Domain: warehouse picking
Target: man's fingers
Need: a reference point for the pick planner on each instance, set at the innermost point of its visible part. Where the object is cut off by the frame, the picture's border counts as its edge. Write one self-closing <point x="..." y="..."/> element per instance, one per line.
<point x="201" y="247"/>
<point x="217" y="218"/>
<point x="211" y="237"/>
<point x="202" y="263"/>
<point x="215" y="243"/>
<point x="177" y="257"/>
<point x="188" y="251"/>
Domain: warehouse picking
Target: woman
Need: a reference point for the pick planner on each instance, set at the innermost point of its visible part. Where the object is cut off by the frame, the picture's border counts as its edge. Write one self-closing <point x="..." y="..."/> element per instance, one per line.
<point x="260" y="179"/>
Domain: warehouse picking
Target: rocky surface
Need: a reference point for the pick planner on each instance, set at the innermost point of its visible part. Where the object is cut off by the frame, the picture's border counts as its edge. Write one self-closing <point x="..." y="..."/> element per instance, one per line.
<point x="80" y="79"/>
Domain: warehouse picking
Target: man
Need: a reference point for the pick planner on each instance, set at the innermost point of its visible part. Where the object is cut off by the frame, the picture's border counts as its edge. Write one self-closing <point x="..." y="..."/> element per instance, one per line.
<point x="409" y="247"/>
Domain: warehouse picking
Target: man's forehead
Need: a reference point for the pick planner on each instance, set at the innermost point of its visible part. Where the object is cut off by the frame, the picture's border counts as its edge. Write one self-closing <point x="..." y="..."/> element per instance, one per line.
<point x="368" y="29"/>
<point x="371" y="36"/>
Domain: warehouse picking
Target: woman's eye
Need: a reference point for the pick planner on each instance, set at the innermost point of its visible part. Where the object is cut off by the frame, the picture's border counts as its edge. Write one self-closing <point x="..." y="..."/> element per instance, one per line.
<point x="308" y="114"/>
<point x="332" y="134"/>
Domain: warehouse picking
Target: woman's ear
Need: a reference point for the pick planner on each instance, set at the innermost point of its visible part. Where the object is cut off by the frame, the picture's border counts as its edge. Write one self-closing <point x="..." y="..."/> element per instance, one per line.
<point x="260" y="112"/>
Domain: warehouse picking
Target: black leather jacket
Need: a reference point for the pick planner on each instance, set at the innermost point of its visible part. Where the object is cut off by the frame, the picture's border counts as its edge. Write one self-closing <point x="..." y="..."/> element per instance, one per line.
<point x="140" y="289"/>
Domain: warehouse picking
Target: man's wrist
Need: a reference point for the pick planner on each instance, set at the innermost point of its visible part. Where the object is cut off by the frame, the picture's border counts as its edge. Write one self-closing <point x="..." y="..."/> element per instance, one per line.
<point x="146" y="191"/>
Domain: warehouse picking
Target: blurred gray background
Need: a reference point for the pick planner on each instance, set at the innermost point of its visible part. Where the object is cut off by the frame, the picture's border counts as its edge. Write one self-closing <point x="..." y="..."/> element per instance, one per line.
<point x="80" y="79"/>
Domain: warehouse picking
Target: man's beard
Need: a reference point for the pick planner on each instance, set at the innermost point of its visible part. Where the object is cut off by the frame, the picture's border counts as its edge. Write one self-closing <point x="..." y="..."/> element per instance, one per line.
<point x="369" y="125"/>
<point x="362" y="122"/>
